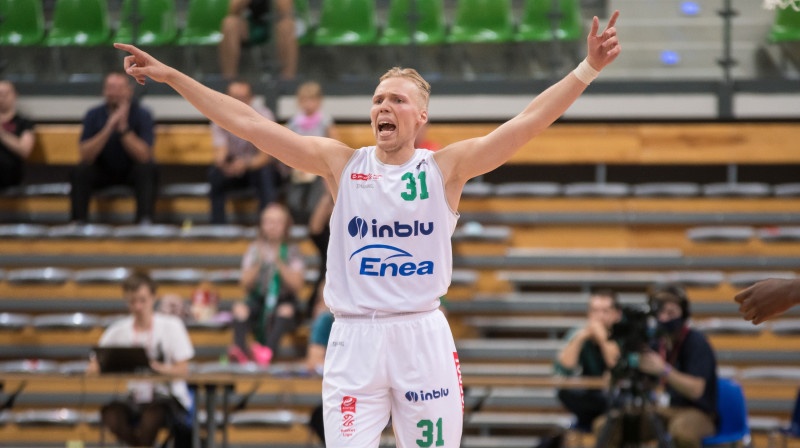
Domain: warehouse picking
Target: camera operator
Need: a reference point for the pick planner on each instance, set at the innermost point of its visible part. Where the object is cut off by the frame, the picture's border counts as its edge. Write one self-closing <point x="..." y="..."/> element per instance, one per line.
<point x="686" y="368"/>
<point x="590" y="353"/>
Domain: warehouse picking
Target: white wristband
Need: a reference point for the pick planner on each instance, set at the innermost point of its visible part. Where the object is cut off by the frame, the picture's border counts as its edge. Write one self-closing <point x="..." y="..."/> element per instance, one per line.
<point x="585" y="72"/>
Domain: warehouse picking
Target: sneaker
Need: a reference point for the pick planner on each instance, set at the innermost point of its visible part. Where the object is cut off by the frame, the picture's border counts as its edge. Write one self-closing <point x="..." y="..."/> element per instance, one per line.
<point x="262" y="354"/>
<point x="235" y="353"/>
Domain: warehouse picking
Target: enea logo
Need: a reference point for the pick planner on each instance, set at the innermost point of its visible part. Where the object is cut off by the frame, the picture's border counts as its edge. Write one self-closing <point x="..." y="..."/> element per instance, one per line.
<point x="358" y="227"/>
<point x="426" y="396"/>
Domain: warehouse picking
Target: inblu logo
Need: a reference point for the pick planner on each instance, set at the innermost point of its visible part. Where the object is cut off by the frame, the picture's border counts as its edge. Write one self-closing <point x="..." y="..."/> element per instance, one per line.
<point x="426" y="396"/>
<point x="358" y="227"/>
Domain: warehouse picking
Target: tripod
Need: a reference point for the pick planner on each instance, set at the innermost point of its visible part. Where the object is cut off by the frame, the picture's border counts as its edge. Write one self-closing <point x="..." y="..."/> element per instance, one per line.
<point x="632" y="413"/>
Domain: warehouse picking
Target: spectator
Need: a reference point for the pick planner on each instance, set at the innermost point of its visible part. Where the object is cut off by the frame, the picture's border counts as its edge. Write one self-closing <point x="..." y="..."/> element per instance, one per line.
<point x="16" y="137"/>
<point x="685" y="364"/>
<point x="149" y="407"/>
<point x="422" y="140"/>
<point x="308" y="196"/>
<point x="239" y="164"/>
<point x="590" y="353"/>
<point x="768" y="298"/>
<point x="272" y="275"/>
<point x="116" y="147"/>
<point x="248" y="23"/>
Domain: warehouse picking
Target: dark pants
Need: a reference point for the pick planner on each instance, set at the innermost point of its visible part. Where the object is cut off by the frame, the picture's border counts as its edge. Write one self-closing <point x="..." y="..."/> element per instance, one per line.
<point x="586" y="405"/>
<point x="86" y="178"/>
<point x="137" y="424"/>
<point x="10" y="170"/>
<point x="265" y="180"/>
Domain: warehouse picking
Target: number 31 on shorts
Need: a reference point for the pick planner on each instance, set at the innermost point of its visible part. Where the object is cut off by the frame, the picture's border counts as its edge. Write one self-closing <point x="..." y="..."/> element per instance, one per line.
<point x="429" y="433"/>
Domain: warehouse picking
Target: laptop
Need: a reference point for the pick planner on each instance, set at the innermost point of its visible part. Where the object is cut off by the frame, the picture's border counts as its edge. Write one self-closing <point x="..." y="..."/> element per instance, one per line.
<point x="113" y="359"/>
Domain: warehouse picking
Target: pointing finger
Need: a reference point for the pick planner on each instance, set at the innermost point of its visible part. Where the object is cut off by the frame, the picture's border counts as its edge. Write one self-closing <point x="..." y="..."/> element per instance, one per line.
<point x="613" y="19"/>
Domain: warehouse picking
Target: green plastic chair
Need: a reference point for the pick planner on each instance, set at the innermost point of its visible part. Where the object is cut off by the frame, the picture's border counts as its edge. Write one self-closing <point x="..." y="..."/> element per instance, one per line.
<point x="347" y="22"/>
<point x="23" y="22"/>
<point x="430" y="26"/>
<point x="204" y="22"/>
<point x="786" y="27"/>
<point x="79" y="22"/>
<point x="479" y="21"/>
<point x="536" y="26"/>
<point x="158" y="26"/>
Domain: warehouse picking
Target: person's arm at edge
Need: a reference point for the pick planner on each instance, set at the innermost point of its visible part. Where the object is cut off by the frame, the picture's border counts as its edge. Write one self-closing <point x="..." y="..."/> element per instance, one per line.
<point x="316" y="155"/>
<point x="464" y="160"/>
<point x="768" y="298"/>
<point x="21" y="145"/>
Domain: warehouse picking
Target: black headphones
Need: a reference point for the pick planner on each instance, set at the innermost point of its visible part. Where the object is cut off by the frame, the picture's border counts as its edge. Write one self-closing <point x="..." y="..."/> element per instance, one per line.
<point x="673" y="290"/>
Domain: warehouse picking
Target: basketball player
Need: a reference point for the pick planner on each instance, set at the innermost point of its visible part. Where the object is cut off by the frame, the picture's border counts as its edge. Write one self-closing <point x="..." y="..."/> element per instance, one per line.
<point x="390" y="350"/>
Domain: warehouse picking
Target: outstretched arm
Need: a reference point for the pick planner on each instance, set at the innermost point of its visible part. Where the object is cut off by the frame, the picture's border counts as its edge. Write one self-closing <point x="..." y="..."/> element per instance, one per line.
<point x="768" y="298"/>
<point x="316" y="155"/>
<point x="469" y="158"/>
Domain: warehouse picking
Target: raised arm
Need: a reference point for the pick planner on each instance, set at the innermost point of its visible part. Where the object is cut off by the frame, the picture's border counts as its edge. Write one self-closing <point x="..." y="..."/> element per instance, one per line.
<point x="317" y="155"/>
<point x="469" y="158"/>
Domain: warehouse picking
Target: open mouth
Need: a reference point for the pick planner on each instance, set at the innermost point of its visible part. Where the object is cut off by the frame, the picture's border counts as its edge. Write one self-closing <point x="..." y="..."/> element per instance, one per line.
<point x="386" y="128"/>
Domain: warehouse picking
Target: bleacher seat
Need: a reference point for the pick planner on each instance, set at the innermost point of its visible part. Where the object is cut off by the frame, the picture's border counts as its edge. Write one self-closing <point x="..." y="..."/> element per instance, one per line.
<point x="473" y="369"/>
<point x="224" y="276"/>
<point x="50" y="189"/>
<point x="779" y="234"/>
<point x="597" y="189"/>
<point x="704" y="279"/>
<point x="499" y="441"/>
<point x="73" y="367"/>
<point x="463" y="277"/>
<point x="787" y="190"/>
<point x="482" y="21"/>
<point x="72" y="321"/>
<point x="158" y="22"/>
<point x="554" y="326"/>
<point x="14" y="321"/>
<point x="533" y="398"/>
<point x="516" y="421"/>
<point x="38" y="275"/>
<point x="583" y="279"/>
<point x="204" y="22"/>
<point x="721" y="233"/>
<point x="278" y="418"/>
<point x="430" y="28"/>
<point x="147" y="231"/>
<point x="509" y="349"/>
<point x="101" y="275"/>
<point x="179" y="275"/>
<point x="22" y="231"/>
<point x="785" y="326"/>
<point x="80" y="231"/>
<point x="771" y="373"/>
<point x="226" y="231"/>
<point x="743" y="190"/>
<point x="79" y="23"/>
<point x="347" y="22"/>
<point x="23" y="22"/>
<point x="745" y="279"/>
<point x="716" y="325"/>
<point x="49" y="417"/>
<point x="666" y="189"/>
<point x="537" y="26"/>
<point x="114" y="191"/>
<point x="477" y="189"/>
<point x="29" y="366"/>
<point x="107" y="321"/>
<point x="297" y="232"/>
<point x="475" y="231"/>
<point x="786" y="27"/>
<point x="534" y="189"/>
<point x="234" y="368"/>
<point x="191" y="190"/>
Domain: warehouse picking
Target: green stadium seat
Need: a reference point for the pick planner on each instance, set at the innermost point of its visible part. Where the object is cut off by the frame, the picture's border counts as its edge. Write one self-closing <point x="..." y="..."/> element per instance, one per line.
<point x="786" y="27"/>
<point x="204" y="22"/>
<point x="537" y="27"/>
<point x="482" y="21"/>
<point x="302" y="15"/>
<point x="430" y="28"/>
<point x="158" y="26"/>
<point x="22" y="22"/>
<point x="79" y="23"/>
<point x="347" y="22"/>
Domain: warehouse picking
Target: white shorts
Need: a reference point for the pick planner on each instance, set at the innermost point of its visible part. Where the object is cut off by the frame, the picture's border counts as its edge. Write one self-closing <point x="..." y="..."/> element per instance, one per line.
<point x="405" y="366"/>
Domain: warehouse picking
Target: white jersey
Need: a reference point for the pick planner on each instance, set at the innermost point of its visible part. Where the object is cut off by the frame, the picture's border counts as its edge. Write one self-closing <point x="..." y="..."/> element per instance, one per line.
<point x="390" y="248"/>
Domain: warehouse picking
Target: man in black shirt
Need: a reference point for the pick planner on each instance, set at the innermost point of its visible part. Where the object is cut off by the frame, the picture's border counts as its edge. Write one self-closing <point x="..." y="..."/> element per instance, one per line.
<point x="248" y="22"/>
<point x="16" y="137"/>
<point x="685" y="364"/>
<point x="116" y="148"/>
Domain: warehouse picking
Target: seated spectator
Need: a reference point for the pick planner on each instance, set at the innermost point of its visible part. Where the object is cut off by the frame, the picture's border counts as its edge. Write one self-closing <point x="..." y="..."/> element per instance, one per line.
<point x="272" y="275"/>
<point x="150" y="406"/>
<point x="16" y="138"/>
<point x="239" y="164"/>
<point x="116" y="148"/>
<point x="590" y="353"/>
<point x="248" y="23"/>
<point x="685" y="366"/>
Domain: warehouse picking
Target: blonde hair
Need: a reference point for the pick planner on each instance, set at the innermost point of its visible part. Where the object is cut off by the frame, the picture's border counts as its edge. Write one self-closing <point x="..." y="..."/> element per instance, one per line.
<point x="310" y="88"/>
<point x="413" y="76"/>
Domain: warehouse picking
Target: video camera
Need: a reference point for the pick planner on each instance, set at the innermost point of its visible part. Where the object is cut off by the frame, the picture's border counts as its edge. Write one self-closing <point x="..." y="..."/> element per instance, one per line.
<point x="636" y="331"/>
